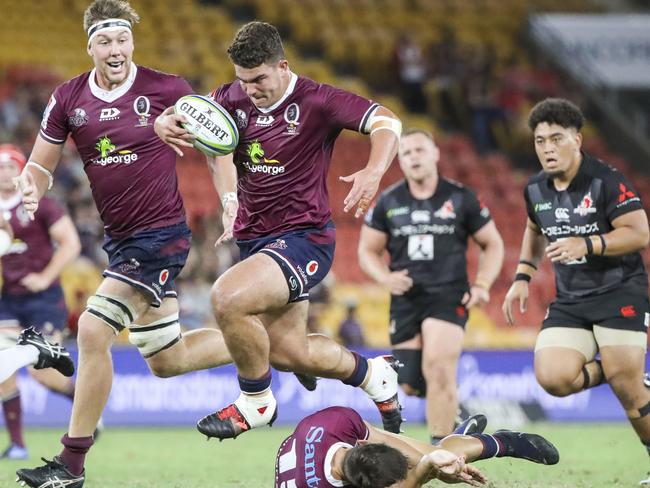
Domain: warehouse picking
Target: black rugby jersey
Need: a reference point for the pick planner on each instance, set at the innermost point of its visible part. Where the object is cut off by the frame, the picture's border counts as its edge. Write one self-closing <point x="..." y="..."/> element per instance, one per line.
<point x="596" y="196"/>
<point x="429" y="237"/>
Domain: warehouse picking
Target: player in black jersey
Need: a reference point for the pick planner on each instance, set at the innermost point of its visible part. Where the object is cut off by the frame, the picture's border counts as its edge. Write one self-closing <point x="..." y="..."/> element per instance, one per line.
<point x="424" y="223"/>
<point x="586" y="217"/>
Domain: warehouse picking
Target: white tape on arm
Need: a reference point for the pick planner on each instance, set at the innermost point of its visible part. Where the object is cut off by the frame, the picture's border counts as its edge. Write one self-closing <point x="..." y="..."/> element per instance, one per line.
<point x="379" y="122"/>
<point x="44" y="170"/>
<point x="230" y="196"/>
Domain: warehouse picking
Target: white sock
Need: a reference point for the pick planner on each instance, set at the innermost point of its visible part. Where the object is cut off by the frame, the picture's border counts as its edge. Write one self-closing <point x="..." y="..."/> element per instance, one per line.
<point x="14" y="358"/>
<point x="257" y="409"/>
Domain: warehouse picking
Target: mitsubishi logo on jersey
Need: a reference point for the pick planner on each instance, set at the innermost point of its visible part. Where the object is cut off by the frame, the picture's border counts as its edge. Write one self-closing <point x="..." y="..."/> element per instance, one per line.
<point x="447" y="211"/>
<point x="109" y="114"/>
<point x="625" y="193"/>
<point x="586" y="206"/>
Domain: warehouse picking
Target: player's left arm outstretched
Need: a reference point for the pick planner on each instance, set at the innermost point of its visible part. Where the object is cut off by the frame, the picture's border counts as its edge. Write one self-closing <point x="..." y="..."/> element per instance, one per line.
<point x="385" y="130"/>
<point x="427" y="462"/>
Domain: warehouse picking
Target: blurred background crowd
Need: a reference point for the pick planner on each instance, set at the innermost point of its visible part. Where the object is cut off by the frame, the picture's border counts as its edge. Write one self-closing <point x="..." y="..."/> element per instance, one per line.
<point x="468" y="70"/>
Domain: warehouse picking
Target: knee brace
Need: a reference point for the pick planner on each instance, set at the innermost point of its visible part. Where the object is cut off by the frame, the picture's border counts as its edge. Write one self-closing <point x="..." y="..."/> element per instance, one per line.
<point x="411" y="372"/>
<point x="636" y="414"/>
<point x="116" y="312"/>
<point x="152" y="338"/>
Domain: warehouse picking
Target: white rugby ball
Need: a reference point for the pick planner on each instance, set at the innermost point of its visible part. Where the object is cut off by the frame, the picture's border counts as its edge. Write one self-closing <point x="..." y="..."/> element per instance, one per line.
<point x="215" y="130"/>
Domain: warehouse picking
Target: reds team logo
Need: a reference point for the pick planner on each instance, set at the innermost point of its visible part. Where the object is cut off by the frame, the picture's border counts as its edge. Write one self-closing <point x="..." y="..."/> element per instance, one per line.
<point x="311" y="268"/>
<point x="164" y="276"/>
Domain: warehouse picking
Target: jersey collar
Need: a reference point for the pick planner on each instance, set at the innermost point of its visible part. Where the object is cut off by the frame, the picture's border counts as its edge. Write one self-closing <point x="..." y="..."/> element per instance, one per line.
<point x="289" y="91"/>
<point x="327" y="464"/>
<point x="112" y="95"/>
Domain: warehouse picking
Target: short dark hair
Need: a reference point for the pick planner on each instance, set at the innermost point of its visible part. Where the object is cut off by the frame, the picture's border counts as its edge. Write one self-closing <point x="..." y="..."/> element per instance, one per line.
<point x="109" y="9"/>
<point x="374" y="466"/>
<point x="556" y="111"/>
<point x="256" y="43"/>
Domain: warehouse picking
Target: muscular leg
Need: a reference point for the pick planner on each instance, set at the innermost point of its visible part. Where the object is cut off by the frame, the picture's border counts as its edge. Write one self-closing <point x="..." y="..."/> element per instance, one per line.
<point x="54" y="381"/>
<point x="293" y="350"/>
<point x="197" y="349"/>
<point x="624" y="367"/>
<point x="12" y="410"/>
<point x="248" y="289"/>
<point x="442" y="343"/>
<point x="562" y="357"/>
<point x="410" y="377"/>
<point x="95" y="365"/>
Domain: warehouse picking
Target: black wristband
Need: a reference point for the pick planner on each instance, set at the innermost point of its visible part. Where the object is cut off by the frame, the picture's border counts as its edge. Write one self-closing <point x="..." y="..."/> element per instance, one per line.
<point x="590" y="245"/>
<point x="528" y="263"/>
<point x="603" y="244"/>
<point x="522" y="277"/>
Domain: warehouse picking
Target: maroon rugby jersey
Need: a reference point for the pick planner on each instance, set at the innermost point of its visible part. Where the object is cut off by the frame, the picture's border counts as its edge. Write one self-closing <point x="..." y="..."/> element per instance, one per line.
<point x="284" y="153"/>
<point x="132" y="172"/>
<point x="304" y="459"/>
<point x="32" y="247"/>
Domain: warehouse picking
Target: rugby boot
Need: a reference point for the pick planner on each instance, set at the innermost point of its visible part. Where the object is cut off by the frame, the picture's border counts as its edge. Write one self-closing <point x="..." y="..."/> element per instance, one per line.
<point x="245" y="414"/>
<point x="531" y="447"/>
<point x="53" y="474"/>
<point x="50" y="355"/>
<point x="475" y="424"/>
<point x="381" y="387"/>
<point x="307" y="381"/>
<point x="15" y="452"/>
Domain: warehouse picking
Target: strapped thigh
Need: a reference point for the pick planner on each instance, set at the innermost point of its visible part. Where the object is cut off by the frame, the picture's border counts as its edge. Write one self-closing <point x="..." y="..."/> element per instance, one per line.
<point x="581" y="340"/>
<point x="606" y="336"/>
<point x="114" y="311"/>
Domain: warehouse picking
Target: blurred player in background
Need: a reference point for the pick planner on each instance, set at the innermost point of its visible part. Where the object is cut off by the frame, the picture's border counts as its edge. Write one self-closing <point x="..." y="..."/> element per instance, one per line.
<point x="109" y="113"/>
<point x="288" y="125"/>
<point x="336" y="447"/>
<point x="32" y="296"/>
<point x="587" y="218"/>
<point x="424" y="222"/>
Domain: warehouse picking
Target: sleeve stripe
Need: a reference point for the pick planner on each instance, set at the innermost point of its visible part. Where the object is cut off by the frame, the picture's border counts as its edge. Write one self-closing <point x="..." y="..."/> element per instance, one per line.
<point x="366" y="116"/>
<point x="50" y="139"/>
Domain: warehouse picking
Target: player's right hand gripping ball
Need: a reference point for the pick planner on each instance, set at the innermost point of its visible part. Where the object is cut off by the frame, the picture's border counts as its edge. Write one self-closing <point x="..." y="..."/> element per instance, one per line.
<point x="215" y="130"/>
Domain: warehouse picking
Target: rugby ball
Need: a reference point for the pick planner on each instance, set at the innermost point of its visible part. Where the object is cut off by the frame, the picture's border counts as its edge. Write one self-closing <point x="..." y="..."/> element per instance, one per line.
<point x="215" y="130"/>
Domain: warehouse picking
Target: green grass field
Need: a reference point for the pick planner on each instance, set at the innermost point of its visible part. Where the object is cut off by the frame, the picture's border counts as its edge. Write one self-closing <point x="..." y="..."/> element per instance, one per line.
<point x="607" y="456"/>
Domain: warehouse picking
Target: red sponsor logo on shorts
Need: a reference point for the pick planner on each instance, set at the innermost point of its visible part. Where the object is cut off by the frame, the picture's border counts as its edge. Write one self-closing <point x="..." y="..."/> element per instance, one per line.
<point x="628" y="311"/>
<point x="164" y="275"/>
<point x="461" y="311"/>
<point x="312" y="267"/>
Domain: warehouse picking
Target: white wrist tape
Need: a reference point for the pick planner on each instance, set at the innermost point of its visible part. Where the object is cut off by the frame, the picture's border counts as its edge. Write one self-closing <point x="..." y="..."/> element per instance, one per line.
<point x="379" y="122"/>
<point x="42" y="169"/>
<point x="230" y="196"/>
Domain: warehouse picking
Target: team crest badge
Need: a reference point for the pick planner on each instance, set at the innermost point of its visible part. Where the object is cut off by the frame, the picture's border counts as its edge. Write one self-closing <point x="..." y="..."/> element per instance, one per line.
<point x="291" y="116"/>
<point x="586" y="206"/>
<point x="447" y="211"/>
<point x="78" y="118"/>
<point x="240" y="118"/>
<point x="141" y="107"/>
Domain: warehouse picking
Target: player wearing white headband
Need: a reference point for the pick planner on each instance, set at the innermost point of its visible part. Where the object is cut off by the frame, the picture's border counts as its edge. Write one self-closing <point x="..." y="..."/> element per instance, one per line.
<point x="109" y="113"/>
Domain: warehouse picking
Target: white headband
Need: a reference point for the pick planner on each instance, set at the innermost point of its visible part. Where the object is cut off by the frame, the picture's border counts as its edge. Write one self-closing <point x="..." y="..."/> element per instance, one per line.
<point x="107" y="24"/>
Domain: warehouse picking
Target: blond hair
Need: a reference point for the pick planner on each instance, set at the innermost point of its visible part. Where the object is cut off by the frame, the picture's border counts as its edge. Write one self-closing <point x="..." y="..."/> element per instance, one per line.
<point x="109" y="9"/>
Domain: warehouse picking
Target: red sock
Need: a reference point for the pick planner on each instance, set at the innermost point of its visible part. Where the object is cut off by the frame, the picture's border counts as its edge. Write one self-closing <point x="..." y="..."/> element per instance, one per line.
<point x="74" y="452"/>
<point x="13" y="413"/>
